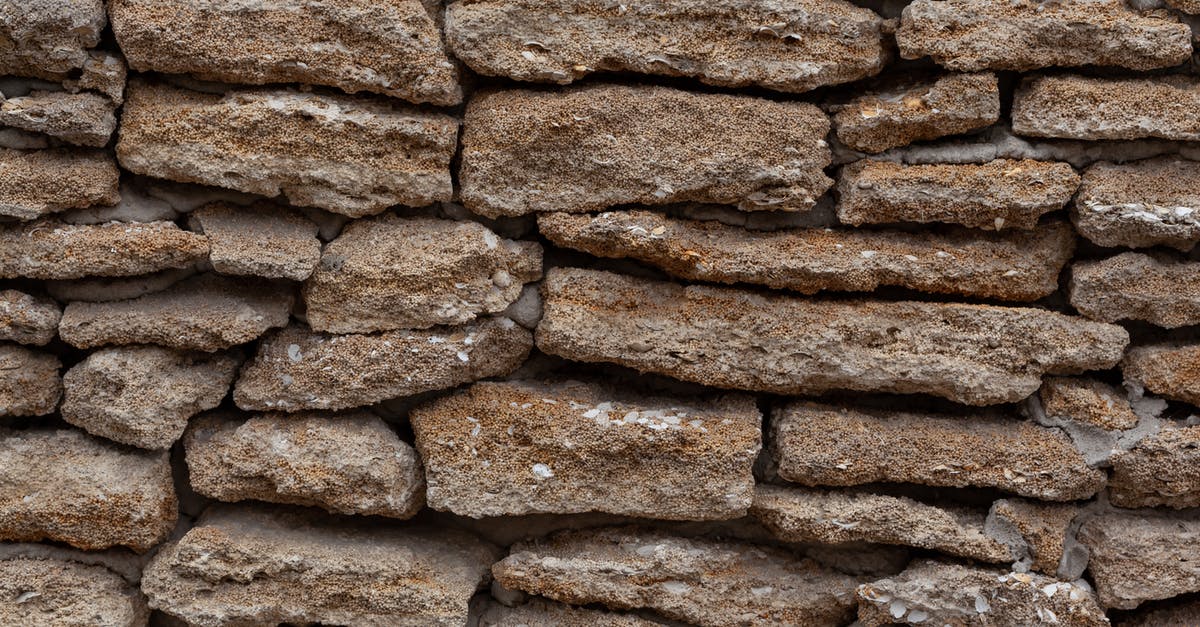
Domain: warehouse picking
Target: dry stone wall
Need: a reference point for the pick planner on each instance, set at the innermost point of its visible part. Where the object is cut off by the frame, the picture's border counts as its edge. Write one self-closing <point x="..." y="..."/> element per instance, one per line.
<point x="499" y="313"/>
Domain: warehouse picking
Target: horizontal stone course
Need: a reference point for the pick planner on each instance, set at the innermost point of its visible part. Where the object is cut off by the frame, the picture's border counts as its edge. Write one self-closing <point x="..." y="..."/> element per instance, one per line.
<point x="40" y="182"/>
<point x="1140" y="204"/>
<point x="52" y="249"/>
<point x="1079" y="107"/>
<point x="1136" y="286"/>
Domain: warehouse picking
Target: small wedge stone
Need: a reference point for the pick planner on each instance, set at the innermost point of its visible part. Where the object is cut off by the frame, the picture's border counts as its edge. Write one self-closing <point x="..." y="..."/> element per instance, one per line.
<point x="51" y="249"/>
<point x="39" y="182"/>
<point x="1080" y="107"/>
<point x="1141" y="204"/>
<point x="1087" y="401"/>
<point x="28" y="319"/>
<point x="1161" y="470"/>
<point x="48" y="38"/>
<point x="1043" y="528"/>
<point x="1170" y="370"/>
<point x="103" y="72"/>
<point x="1134" y="286"/>
<point x="83" y="119"/>
<point x="1142" y="556"/>
<point x="542" y="612"/>
<point x="29" y="381"/>
<point x="263" y="240"/>
<point x="63" y="593"/>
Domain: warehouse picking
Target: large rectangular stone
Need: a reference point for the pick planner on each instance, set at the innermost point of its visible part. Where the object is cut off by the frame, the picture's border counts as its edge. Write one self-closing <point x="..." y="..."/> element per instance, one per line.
<point x="1140" y="204"/>
<point x="38" y="182"/>
<point x="1081" y="107"/>
<point x="52" y="249"/>
<point x="1135" y="286"/>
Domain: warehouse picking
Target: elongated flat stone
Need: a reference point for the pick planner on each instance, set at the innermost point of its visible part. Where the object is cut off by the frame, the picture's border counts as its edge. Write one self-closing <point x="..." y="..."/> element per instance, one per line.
<point x="1015" y="266"/>
<point x="53" y="592"/>
<point x="825" y="445"/>
<point x="52" y="249"/>
<point x="351" y="155"/>
<point x="699" y="581"/>
<point x="1088" y="402"/>
<point x="391" y="48"/>
<point x="1139" y="556"/>
<point x="109" y="289"/>
<point x="543" y="612"/>
<point x="1003" y="193"/>
<point x="83" y="119"/>
<point x="588" y="148"/>
<point x="28" y="319"/>
<point x="1141" y="204"/>
<point x="29" y="381"/>
<point x="1134" y="286"/>
<point x="266" y="566"/>
<point x="1171" y="370"/>
<point x="48" y="38"/>
<point x="297" y="368"/>
<point x="38" y="182"/>
<point x="1161" y="470"/>
<point x="263" y="240"/>
<point x="1080" y="107"/>
<point x="732" y="338"/>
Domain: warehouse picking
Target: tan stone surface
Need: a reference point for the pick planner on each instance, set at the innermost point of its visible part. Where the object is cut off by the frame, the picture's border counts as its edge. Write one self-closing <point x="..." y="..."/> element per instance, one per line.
<point x="51" y="249"/>
<point x="1078" y="107"/>
<point x="263" y="240"/>
<point x="1134" y="286"/>
<point x="47" y="38"/>
<point x="38" y="182"/>
<point x="109" y="289"/>
<point x="29" y="381"/>
<point x="28" y="319"/>
<point x="1042" y="526"/>
<point x="103" y="72"/>
<point x="1140" y="204"/>
<point x="1087" y="401"/>
<point x="1139" y="556"/>
<point x="1161" y="470"/>
<point x="84" y="119"/>
<point x="542" y="612"/>
<point x="62" y="593"/>
<point x="1171" y="370"/>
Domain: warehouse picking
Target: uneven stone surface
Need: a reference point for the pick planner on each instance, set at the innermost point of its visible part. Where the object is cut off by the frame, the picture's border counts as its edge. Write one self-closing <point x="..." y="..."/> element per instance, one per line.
<point x="1079" y="107"/>
<point x="1141" y="204"/>
<point x="263" y="240"/>
<point x="1016" y="266"/>
<point x="543" y="612"/>
<point x="27" y="319"/>
<point x="677" y="577"/>
<point x="1134" y="286"/>
<point x="268" y="567"/>
<point x="297" y="368"/>
<point x="1002" y="193"/>
<point x="62" y="593"/>
<point x="38" y="182"/>
<point x="143" y="396"/>
<point x="109" y="289"/>
<point x="1087" y="401"/>
<point x="1172" y="615"/>
<point x="346" y="464"/>
<point x="391" y="48"/>
<point x="84" y="119"/>
<point x="731" y="338"/>
<point x="788" y="46"/>
<point x="102" y="72"/>
<point x="1140" y="556"/>
<point x="1162" y="470"/>
<point x="390" y="272"/>
<point x="588" y="148"/>
<point x="51" y="249"/>
<point x="48" y="38"/>
<point x="29" y="381"/>
<point x="351" y="155"/>
<point x="1171" y="370"/>
<point x="66" y="486"/>
<point x="1043" y="527"/>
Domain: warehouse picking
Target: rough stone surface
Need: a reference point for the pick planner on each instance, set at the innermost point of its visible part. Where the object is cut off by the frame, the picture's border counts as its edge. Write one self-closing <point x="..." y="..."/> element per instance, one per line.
<point x="1043" y="527"/>
<point x="731" y="338"/>
<point x="51" y="249"/>
<point x="27" y="319"/>
<point x="109" y="289"/>
<point x="1180" y="614"/>
<point x="1162" y="470"/>
<point x="539" y="612"/>
<point x="1003" y="193"/>
<point x="1140" y="556"/>
<point x="351" y="155"/>
<point x="1171" y="370"/>
<point x="1141" y="204"/>
<point x="1134" y="286"/>
<point x="62" y="593"/>
<point x="144" y="395"/>
<point x="48" y="38"/>
<point x="1087" y="401"/>
<point x="390" y="272"/>
<point x="102" y="72"/>
<point x="1080" y="107"/>
<point x="29" y="381"/>
<point x="39" y="182"/>
<point x="263" y="240"/>
<point x="84" y="119"/>
<point x="588" y="148"/>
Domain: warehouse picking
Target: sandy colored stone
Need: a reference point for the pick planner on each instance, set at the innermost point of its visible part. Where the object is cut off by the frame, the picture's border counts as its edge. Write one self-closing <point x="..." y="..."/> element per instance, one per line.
<point x="529" y="447"/>
<point x="1080" y="107"/>
<point x="264" y="240"/>
<point x="346" y="463"/>
<point x="1087" y="401"/>
<point x="66" y="486"/>
<point x="84" y="119"/>
<point x="143" y="396"/>
<point x="1161" y="470"/>
<point x="390" y="272"/>
<point x="1134" y="286"/>
<point x="1042" y="527"/>
<point x="350" y="155"/>
<point x="29" y="381"/>
<point x="392" y="48"/>
<point x="788" y="46"/>
<point x="267" y="566"/>
<point x="28" y="319"/>
<point x="1139" y="556"/>
<point x="1140" y="204"/>
<point x="51" y="249"/>
<point x="104" y="72"/>
<point x="587" y="148"/>
<point x="48" y="38"/>
<point x="298" y="368"/>
<point x="539" y="612"/>
<point x="1026" y="34"/>
<point x="1171" y="370"/>
<point x="699" y="581"/>
<point x="1002" y="193"/>
<point x="38" y="182"/>
<point x="62" y="593"/>
<point x="109" y="289"/>
<point x="825" y="445"/>
<point x="1019" y="265"/>
<point x="902" y="114"/>
<point x="732" y="338"/>
<point x="206" y="312"/>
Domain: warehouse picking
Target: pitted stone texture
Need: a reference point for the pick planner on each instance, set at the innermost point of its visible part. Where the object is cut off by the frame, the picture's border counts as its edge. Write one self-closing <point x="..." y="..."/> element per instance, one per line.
<point x="206" y="312"/>
<point x="351" y="155"/>
<point x="1087" y="401"/>
<point x="390" y="272"/>
<point x="63" y="593"/>
<point x="66" y="486"/>
<point x="1139" y="556"/>
<point x="143" y="396"/>
<point x="788" y="46"/>
<point x="28" y="319"/>
<point x="51" y="249"/>
<point x="39" y="182"/>
<point x="699" y="581"/>
<point x="263" y="240"/>
<point x="109" y="289"/>
<point x="1141" y="204"/>
<point x="346" y="464"/>
<point x="1042" y="526"/>
<point x="1015" y="266"/>
<point x="1134" y="286"/>
<point x="589" y="148"/>
<point x="1171" y="370"/>
<point x="981" y="34"/>
<point x="48" y="38"/>
<point x="103" y="72"/>
<point x="83" y="119"/>
<point x="264" y="567"/>
<point x="731" y="338"/>
<point x="824" y="445"/>
<point x="1161" y="470"/>
<point x="297" y="368"/>
<point x="531" y="447"/>
<point x="1080" y="107"/>
<point x="539" y="612"/>
<point x="391" y="48"/>
<point x="29" y="381"/>
<point x="1003" y="193"/>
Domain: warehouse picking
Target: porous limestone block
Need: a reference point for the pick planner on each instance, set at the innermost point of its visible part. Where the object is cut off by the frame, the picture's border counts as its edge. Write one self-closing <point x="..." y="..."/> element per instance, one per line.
<point x="1136" y="286"/>
<point x="1161" y="470"/>
<point x="264" y="240"/>
<point x="62" y="593"/>
<point x="1171" y="369"/>
<point x="1142" y="555"/>
<point x="1081" y="107"/>
<point x="39" y="182"/>
<point x="1141" y="204"/>
<point x="48" y="38"/>
<point x="51" y="249"/>
<point x="1043" y="529"/>
<point x="29" y="381"/>
<point x="1087" y="401"/>
<point x="28" y="319"/>
<point x="83" y="119"/>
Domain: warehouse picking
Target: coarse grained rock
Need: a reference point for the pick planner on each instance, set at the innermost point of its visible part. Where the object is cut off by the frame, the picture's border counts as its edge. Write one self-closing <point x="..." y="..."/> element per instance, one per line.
<point x="63" y="593"/>
<point x="52" y="249"/>
<point x="826" y="445"/>
<point x="38" y="182"/>
<point x="732" y="338"/>
<point x="392" y="48"/>
<point x="1081" y="107"/>
<point x="526" y="447"/>
<point x="1140" y="204"/>
<point x="143" y="396"/>
<point x="66" y="486"/>
<point x="267" y="566"/>
<point x="974" y="35"/>
<point x="206" y="312"/>
<point x="1142" y="555"/>
<point x="29" y="381"/>
<point x="83" y="119"/>
<point x="1019" y="265"/>
<point x="297" y="368"/>
<point x="1087" y="401"/>
<point x="28" y="319"/>
<point x="944" y="593"/>
<point x="104" y="72"/>
<point x="1002" y="193"/>
<point x="787" y="46"/>
<point x="1042" y="528"/>
<point x="1170" y="369"/>
<point x="48" y="38"/>
<point x="1161" y="470"/>
<point x="700" y="581"/>
<point x="389" y="272"/>
<point x="1136" y="286"/>
<point x="109" y="289"/>
<point x="588" y="148"/>
<point x="915" y="111"/>
<point x="543" y="612"/>
<point x="350" y="463"/>
<point x="264" y="240"/>
<point x="348" y="154"/>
